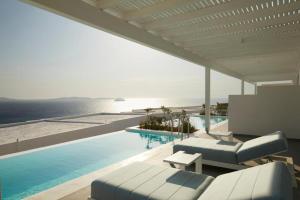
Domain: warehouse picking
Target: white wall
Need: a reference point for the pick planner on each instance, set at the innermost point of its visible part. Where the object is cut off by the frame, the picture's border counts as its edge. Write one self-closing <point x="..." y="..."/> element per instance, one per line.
<point x="273" y="108"/>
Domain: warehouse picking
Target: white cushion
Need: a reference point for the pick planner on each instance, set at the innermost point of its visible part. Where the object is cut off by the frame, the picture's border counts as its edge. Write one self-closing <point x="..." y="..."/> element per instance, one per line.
<point x="262" y="146"/>
<point x="216" y="150"/>
<point x="271" y="181"/>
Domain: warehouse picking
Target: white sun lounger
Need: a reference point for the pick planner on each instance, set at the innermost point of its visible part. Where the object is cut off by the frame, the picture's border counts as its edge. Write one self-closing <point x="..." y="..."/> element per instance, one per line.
<point x="232" y="154"/>
<point x="141" y="181"/>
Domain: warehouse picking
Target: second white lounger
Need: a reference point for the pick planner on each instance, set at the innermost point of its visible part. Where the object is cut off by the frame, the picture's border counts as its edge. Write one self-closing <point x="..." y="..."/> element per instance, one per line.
<point x="231" y="154"/>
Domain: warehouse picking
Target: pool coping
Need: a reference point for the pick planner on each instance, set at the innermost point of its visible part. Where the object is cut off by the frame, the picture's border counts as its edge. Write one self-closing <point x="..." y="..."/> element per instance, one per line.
<point x="136" y="129"/>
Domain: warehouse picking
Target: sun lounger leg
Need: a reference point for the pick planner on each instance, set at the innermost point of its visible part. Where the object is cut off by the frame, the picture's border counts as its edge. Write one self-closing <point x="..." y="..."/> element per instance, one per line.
<point x="198" y="165"/>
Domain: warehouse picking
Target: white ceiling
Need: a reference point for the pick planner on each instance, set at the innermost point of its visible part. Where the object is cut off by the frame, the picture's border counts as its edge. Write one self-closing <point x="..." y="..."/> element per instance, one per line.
<point x="255" y="40"/>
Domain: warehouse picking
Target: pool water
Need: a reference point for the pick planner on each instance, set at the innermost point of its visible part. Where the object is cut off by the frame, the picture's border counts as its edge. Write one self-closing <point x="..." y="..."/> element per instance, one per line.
<point x="29" y="173"/>
<point x="199" y="120"/>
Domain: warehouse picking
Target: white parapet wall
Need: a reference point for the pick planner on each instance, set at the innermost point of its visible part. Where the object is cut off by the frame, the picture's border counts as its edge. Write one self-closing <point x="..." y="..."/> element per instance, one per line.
<point x="273" y="108"/>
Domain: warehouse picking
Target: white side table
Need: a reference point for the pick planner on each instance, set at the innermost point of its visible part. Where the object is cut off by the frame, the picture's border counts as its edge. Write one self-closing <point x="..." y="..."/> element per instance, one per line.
<point x="184" y="160"/>
<point x="220" y="134"/>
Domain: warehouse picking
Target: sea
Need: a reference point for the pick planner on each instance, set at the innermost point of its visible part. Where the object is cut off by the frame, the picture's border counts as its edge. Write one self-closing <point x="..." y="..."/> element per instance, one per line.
<point x="13" y="111"/>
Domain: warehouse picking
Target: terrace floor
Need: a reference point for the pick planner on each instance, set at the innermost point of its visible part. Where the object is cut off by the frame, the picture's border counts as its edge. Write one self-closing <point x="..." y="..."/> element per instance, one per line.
<point x="166" y="150"/>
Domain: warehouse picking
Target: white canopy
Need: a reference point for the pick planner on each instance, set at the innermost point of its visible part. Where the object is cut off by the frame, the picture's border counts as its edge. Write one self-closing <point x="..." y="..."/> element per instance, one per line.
<point x="254" y="40"/>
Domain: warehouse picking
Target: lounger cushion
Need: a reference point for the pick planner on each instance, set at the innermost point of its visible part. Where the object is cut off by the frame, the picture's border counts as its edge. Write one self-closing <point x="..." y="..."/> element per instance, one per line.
<point x="266" y="182"/>
<point x="216" y="150"/>
<point x="262" y="146"/>
<point x="144" y="181"/>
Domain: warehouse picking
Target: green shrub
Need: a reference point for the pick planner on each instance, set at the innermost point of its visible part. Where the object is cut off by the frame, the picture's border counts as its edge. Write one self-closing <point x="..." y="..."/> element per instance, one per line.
<point x="156" y="123"/>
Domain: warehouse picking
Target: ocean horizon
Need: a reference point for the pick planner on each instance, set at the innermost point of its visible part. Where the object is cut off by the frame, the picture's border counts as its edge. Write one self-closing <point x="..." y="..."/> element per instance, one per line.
<point x="13" y="111"/>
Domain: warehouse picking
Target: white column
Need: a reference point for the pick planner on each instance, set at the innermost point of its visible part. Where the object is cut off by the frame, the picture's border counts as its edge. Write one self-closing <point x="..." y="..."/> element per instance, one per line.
<point x="242" y="87"/>
<point x="298" y="78"/>
<point x="255" y="88"/>
<point x="207" y="99"/>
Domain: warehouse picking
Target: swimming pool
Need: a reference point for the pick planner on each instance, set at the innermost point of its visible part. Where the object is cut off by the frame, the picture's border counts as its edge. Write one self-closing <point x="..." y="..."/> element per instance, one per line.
<point x="32" y="172"/>
<point x="29" y="173"/>
<point x="199" y="120"/>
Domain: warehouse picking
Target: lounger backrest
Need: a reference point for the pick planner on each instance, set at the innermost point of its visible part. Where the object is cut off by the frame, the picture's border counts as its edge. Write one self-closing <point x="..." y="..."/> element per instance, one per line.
<point x="262" y="146"/>
<point x="271" y="181"/>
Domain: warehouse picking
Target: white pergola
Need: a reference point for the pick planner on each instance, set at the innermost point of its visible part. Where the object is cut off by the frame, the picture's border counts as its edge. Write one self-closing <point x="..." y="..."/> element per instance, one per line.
<point x="253" y="40"/>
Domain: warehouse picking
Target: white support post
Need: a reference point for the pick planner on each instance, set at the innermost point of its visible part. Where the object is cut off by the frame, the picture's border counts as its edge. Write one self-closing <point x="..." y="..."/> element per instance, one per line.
<point x="207" y="99"/>
<point x="242" y="87"/>
<point x="298" y="78"/>
<point x="255" y="88"/>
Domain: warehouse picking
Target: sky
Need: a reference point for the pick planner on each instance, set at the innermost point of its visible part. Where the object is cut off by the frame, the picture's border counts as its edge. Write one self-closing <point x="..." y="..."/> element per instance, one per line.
<point x="43" y="55"/>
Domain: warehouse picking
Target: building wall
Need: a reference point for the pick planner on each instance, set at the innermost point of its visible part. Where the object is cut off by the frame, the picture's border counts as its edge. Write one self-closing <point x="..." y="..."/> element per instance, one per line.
<point x="273" y="108"/>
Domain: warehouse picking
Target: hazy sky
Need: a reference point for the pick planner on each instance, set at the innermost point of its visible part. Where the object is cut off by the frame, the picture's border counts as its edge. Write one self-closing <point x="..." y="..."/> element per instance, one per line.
<point x="43" y="55"/>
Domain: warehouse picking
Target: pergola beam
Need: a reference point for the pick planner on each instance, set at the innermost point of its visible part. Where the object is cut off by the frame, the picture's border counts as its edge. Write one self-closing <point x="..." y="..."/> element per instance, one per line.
<point x="268" y="44"/>
<point x="257" y="41"/>
<point x="246" y="37"/>
<point x="233" y="53"/>
<point x="289" y="31"/>
<point x="272" y="77"/>
<point x="256" y="38"/>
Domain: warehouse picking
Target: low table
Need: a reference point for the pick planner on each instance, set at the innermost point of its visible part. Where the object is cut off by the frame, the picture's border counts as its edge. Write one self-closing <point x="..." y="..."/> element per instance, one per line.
<point x="184" y="160"/>
<point x="220" y="134"/>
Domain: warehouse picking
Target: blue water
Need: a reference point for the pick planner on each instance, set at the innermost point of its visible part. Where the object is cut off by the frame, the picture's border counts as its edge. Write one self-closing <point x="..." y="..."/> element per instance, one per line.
<point x="199" y="121"/>
<point x="12" y="111"/>
<point x="26" y="174"/>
